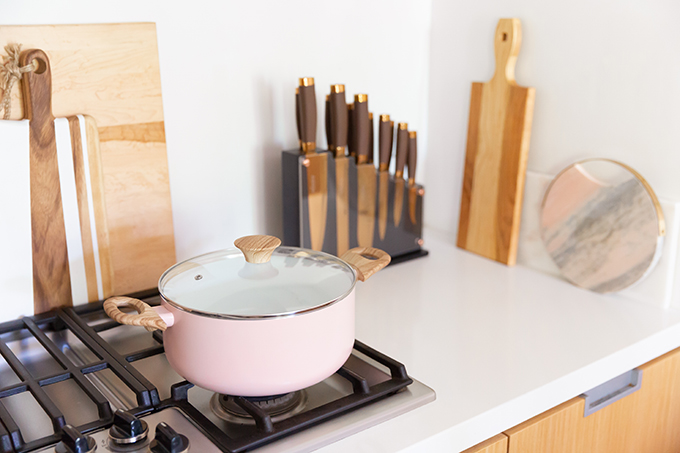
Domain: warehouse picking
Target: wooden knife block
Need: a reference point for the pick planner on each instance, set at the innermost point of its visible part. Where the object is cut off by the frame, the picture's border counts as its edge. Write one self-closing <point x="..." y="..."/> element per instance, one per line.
<point x="402" y="242"/>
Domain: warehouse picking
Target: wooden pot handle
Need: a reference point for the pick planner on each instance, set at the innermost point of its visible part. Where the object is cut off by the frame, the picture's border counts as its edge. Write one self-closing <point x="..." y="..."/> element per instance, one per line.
<point x="257" y="249"/>
<point x="145" y="316"/>
<point x="365" y="267"/>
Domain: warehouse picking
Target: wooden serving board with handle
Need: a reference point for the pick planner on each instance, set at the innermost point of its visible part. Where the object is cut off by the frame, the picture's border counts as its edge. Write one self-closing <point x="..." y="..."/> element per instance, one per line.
<point x="111" y="73"/>
<point x="495" y="163"/>
<point x="54" y="231"/>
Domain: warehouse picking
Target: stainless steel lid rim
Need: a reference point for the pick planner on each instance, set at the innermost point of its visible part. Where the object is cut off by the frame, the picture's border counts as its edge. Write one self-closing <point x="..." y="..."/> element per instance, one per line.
<point x="257" y="317"/>
<point x="283" y="250"/>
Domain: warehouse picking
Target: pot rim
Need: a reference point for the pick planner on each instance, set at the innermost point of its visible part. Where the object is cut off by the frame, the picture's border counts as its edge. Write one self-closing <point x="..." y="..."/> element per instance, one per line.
<point x="257" y="317"/>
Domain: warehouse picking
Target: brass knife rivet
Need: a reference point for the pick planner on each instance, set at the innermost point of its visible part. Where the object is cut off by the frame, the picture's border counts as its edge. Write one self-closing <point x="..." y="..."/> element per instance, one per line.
<point x="420" y="242"/>
<point x="305" y="162"/>
<point x="421" y="192"/>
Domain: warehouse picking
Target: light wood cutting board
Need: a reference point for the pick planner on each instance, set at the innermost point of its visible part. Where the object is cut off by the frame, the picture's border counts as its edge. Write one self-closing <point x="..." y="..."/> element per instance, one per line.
<point x="55" y="239"/>
<point x="495" y="163"/>
<point x="111" y="73"/>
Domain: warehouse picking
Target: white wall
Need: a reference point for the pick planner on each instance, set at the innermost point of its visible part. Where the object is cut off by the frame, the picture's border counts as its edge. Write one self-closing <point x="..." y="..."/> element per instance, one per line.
<point x="229" y="70"/>
<point x="607" y="79"/>
<point x="606" y="73"/>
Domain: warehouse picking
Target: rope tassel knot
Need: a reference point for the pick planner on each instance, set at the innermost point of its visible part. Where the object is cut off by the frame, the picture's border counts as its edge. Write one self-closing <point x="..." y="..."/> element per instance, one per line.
<point x="10" y="73"/>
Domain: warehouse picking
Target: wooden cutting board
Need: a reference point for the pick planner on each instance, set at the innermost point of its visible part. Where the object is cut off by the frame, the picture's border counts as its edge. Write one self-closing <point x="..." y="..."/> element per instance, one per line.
<point x="55" y="237"/>
<point x="111" y="73"/>
<point x="495" y="163"/>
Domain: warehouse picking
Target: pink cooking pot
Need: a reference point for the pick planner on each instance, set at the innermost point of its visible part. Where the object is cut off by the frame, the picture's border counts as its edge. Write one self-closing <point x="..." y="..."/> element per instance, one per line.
<point x="280" y="320"/>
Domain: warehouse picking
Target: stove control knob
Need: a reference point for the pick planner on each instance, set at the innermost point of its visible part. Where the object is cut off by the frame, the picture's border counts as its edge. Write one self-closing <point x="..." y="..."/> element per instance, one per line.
<point x="167" y="440"/>
<point x="127" y="429"/>
<point x="74" y="442"/>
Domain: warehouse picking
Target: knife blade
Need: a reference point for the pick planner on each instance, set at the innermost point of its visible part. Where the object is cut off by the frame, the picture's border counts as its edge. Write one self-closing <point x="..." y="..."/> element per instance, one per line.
<point x="365" y="173"/>
<point x="329" y="134"/>
<point x="339" y="118"/>
<point x="412" y="189"/>
<point x="351" y="145"/>
<point x="402" y="152"/>
<point x="385" y="133"/>
<point x="316" y="163"/>
<point x="371" y="139"/>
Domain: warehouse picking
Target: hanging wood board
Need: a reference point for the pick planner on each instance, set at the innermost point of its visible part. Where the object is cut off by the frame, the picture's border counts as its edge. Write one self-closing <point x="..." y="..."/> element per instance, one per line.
<point x="495" y="162"/>
<point x="111" y="72"/>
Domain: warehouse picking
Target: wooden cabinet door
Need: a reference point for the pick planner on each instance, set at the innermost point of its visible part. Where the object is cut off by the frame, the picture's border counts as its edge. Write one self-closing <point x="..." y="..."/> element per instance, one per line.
<point x="497" y="444"/>
<point x="647" y="421"/>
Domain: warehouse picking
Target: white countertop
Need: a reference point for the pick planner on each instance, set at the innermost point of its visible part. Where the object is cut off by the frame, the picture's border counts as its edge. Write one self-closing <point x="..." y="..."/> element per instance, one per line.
<point x="499" y="345"/>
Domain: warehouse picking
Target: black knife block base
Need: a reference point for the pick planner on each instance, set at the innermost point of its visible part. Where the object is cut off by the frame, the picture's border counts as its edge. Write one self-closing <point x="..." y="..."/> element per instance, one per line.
<point x="403" y="242"/>
<point x="408" y="257"/>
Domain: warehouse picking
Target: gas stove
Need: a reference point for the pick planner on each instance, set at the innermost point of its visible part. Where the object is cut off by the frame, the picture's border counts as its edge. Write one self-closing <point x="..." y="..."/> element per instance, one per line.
<point x="74" y="381"/>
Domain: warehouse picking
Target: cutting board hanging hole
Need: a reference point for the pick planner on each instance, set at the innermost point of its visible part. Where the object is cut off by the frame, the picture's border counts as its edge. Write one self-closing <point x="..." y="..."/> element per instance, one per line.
<point x="507" y="43"/>
<point x="39" y="65"/>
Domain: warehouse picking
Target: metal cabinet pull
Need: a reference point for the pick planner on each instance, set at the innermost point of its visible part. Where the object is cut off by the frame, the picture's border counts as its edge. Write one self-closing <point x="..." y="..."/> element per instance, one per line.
<point x="611" y="391"/>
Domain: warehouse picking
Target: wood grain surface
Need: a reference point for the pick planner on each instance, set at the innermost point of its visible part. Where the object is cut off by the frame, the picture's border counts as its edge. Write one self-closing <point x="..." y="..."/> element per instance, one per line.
<point x="496" y="444"/>
<point x="111" y="72"/>
<point x="366" y="261"/>
<point x="51" y="277"/>
<point x="145" y="316"/>
<point x="495" y="164"/>
<point x="645" y="421"/>
<point x="257" y="248"/>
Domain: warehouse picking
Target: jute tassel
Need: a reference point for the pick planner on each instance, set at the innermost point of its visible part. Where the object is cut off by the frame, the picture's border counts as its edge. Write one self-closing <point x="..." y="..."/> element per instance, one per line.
<point x="10" y="73"/>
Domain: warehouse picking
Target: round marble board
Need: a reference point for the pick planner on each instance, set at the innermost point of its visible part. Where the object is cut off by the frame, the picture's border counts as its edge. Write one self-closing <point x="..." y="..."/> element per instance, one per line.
<point x="602" y="225"/>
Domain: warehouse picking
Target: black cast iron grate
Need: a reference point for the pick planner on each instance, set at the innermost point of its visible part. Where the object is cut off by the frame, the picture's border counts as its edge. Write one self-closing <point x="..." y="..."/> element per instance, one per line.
<point x="147" y="395"/>
<point x="11" y="438"/>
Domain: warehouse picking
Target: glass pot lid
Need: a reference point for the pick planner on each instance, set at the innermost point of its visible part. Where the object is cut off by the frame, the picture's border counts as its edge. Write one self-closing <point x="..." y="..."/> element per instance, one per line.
<point x="257" y="280"/>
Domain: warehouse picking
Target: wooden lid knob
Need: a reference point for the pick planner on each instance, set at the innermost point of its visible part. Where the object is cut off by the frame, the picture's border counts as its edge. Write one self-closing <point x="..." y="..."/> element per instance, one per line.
<point x="257" y="249"/>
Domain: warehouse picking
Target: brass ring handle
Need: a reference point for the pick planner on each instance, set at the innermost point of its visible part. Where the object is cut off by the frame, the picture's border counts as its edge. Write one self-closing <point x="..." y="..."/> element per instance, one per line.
<point x="366" y="267"/>
<point x="146" y="316"/>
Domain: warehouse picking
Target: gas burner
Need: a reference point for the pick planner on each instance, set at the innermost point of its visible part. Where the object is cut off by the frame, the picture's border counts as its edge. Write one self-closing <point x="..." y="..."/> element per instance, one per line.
<point x="279" y="407"/>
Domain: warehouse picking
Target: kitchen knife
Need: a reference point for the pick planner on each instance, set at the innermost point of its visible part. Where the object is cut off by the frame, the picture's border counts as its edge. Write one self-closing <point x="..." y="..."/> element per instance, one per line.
<point x="329" y="138"/>
<point x="371" y="138"/>
<point x="402" y="152"/>
<point x="339" y="118"/>
<point x="412" y="190"/>
<point x="297" y="115"/>
<point x="316" y="164"/>
<point x="350" y="131"/>
<point x="365" y="173"/>
<point x="385" y="132"/>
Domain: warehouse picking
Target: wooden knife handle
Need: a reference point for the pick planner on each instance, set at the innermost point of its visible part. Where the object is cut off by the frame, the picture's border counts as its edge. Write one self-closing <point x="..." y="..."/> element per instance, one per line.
<point x="51" y="275"/>
<point x="361" y="125"/>
<point x="412" y="156"/>
<point x="307" y="114"/>
<point x="339" y="119"/>
<point x="384" y="141"/>
<point x="402" y="149"/>
<point x="507" y="43"/>
<point x="297" y="115"/>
